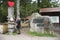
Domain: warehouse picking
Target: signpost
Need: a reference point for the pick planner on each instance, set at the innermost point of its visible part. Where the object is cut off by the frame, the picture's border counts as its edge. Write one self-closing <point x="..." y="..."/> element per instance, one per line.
<point x="11" y="17"/>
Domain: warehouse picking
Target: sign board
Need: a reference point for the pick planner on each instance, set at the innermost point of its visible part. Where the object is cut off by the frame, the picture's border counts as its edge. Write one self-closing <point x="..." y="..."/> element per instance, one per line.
<point x="11" y="4"/>
<point x="54" y="19"/>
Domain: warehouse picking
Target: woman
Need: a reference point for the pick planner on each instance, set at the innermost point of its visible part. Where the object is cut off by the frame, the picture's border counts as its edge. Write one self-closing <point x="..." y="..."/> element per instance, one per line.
<point x="18" y="25"/>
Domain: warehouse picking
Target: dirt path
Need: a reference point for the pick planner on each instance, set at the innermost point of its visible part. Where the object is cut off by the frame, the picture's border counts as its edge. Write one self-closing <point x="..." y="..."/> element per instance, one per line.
<point x="25" y="37"/>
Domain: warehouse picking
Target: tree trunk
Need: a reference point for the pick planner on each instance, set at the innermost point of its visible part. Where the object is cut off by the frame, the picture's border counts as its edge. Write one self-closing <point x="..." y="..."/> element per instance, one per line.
<point x="18" y="12"/>
<point x="38" y="4"/>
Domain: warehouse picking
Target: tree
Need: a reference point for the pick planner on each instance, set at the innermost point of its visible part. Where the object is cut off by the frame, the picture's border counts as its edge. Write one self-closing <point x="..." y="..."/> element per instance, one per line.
<point x="27" y="8"/>
<point x="18" y="5"/>
<point x="47" y="3"/>
<point x="23" y="5"/>
<point x="54" y="4"/>
<point x="3" y="11"/>
<point x="38" y="3"/>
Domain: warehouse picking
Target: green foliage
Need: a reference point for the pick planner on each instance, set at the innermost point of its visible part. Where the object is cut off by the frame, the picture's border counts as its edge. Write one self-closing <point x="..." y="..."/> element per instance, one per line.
<point x="48" y="4"/>
<point x="55" y="4"/>
<point x="3" y="11"/>
<point x="27" y="8"/>
<point x="45" y="4"/>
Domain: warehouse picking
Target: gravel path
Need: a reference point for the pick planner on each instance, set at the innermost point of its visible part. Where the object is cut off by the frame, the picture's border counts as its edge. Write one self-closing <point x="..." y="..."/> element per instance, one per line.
<point x="25" y="37"/>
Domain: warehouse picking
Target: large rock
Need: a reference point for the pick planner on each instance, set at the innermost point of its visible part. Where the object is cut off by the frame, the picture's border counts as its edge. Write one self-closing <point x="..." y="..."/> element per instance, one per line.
<point x="38" y="23"/>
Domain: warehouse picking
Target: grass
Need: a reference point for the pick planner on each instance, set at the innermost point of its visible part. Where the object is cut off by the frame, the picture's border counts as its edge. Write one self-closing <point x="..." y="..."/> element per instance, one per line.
<point x="41" y="34"/>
